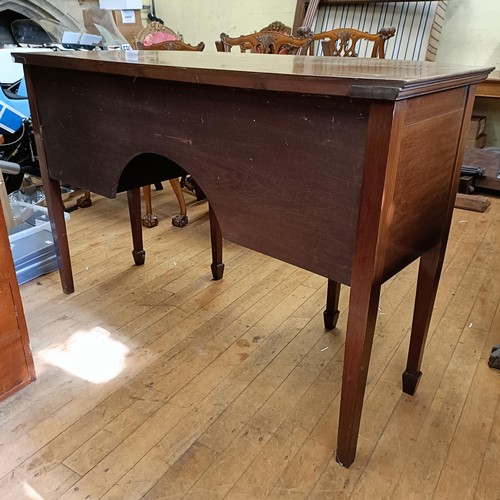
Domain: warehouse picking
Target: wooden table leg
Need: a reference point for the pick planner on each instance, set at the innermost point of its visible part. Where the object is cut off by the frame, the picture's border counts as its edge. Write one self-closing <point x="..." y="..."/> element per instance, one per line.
<point x="149" y="219"/>
<point x="363" y="306"/>
<point x="85" y="200"/>
<point x="331" y="313"/>
<point x="217" y="265"/>
<point x="378" y="183"/>
<point x="429" y="272"/>
<point x="134" y="208"/>
<point x="181" y="219"/>
<point x="52" y="190"/>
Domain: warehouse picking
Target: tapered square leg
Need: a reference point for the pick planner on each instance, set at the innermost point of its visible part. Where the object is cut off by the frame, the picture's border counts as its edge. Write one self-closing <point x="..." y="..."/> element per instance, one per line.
<point x="331" y="313"/>
<point x="134" y="208"/>
<point x="410" y="382"/>
<point x="55" y="206"/>
<point x="363" y="306"/>
<point x="217" y="265"/>
<point x="429" y="272"/>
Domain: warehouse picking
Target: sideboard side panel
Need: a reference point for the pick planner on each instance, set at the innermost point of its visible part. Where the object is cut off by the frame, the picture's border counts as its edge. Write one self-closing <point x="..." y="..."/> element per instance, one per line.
<point x="425" y="174"/>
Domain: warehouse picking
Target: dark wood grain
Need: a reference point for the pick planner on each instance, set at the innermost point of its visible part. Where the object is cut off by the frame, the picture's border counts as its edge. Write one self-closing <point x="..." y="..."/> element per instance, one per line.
<point x="430" y="138"/>
<point x="382" y="150"/>
<point x="134" y="208"/>
<point x="242" y="172"/>
<point x="362" y="78"/>
<point x="431" y="262"/>
<point x="52" y="191"/>
<point x="217" y="265"/>
<point x="331" y="312"/>
<point x="314" y="161"/>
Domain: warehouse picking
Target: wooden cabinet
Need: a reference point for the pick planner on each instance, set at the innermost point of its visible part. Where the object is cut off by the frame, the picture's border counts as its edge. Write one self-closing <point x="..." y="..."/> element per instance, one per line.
<point x="316" y="161"/>
<point x="16" y="363"/>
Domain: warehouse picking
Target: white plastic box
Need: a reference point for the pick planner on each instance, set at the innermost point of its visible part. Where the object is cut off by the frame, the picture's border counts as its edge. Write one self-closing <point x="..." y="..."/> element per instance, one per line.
<point x="120" y="4"/>
<point x="31" y="242"/>
<point x="29" y="219"/>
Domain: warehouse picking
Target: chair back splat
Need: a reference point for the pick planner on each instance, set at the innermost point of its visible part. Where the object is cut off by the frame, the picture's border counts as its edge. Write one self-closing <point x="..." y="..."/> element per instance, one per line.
<point x="157" y="36"/>
<point x="343" y="42"/>
<point x="273" y="39"/>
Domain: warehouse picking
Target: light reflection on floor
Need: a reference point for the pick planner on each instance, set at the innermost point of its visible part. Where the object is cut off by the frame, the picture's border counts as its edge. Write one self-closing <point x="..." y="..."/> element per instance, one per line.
<point x="30" y="493"/>
<point x="91" y="355"/>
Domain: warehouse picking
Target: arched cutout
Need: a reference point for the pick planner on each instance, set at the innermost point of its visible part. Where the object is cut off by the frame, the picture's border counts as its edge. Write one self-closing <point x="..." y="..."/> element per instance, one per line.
<point x="148" y="168"/>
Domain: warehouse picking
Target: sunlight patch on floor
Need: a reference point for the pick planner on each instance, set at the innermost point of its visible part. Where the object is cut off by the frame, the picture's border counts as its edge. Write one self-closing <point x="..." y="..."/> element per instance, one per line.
<point x="30" y="493"/>
<point x="90" y="355"/>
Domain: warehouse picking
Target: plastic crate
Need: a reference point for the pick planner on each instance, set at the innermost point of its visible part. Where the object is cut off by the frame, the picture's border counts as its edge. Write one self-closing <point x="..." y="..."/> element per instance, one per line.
<point x="34" y="254"/>
<point x="29" y="219"/>
<point x="31" y="242"/>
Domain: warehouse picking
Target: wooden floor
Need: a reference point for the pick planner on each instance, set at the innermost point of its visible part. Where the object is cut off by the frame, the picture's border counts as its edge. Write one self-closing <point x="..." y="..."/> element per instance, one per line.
<point x="157" y="382"/>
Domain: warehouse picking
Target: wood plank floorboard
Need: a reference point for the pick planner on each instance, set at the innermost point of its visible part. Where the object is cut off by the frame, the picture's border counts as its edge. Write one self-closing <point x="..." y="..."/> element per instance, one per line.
<point x="158" y="382"/>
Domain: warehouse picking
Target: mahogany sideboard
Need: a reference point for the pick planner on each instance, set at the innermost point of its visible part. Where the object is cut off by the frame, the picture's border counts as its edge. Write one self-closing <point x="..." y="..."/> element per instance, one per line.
<point x="345" y="167"/>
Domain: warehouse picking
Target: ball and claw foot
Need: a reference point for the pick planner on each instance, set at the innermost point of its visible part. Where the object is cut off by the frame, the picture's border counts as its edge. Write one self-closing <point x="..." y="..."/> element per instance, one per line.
<point x="494" y="359"/>
<point x="149" y="220"/>
<point x="180" y="220"/>
<point x="84" y="202"/>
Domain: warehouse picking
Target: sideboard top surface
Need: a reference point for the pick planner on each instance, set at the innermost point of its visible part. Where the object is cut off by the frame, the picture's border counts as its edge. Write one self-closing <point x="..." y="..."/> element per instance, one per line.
<point x="355" y="77"/>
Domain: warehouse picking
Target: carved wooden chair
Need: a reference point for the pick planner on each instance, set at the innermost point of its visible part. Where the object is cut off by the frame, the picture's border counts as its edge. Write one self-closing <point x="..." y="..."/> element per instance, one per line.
<point x="277" y="39"/>
<point x="273" y="39"/>
<point x="157" y="36"/>
<point x="344" y="42"/>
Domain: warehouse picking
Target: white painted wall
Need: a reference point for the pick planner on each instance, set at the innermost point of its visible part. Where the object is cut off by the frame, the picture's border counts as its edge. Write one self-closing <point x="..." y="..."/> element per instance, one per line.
<point x="471" y="35"/>
<point x="205" y="20"/>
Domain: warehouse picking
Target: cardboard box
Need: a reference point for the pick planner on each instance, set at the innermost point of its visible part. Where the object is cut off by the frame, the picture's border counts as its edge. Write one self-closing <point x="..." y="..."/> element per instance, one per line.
<point x="476" y="127"/>
<point x="129" y="23"/>
<point x="120" y="4"/>
<point x="88" y="22"/>
<point x="478" y="142"/>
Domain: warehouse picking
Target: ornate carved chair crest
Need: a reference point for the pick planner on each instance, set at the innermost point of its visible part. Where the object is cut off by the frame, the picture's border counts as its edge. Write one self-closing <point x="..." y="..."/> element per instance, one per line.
<point x="343" y="42"/>
<point x="273" y="39"/>
<point x="157" y="36"/>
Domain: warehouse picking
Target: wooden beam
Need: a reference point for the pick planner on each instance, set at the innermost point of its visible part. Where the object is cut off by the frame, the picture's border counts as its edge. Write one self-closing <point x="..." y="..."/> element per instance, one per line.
<point x="474" y="202"/>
